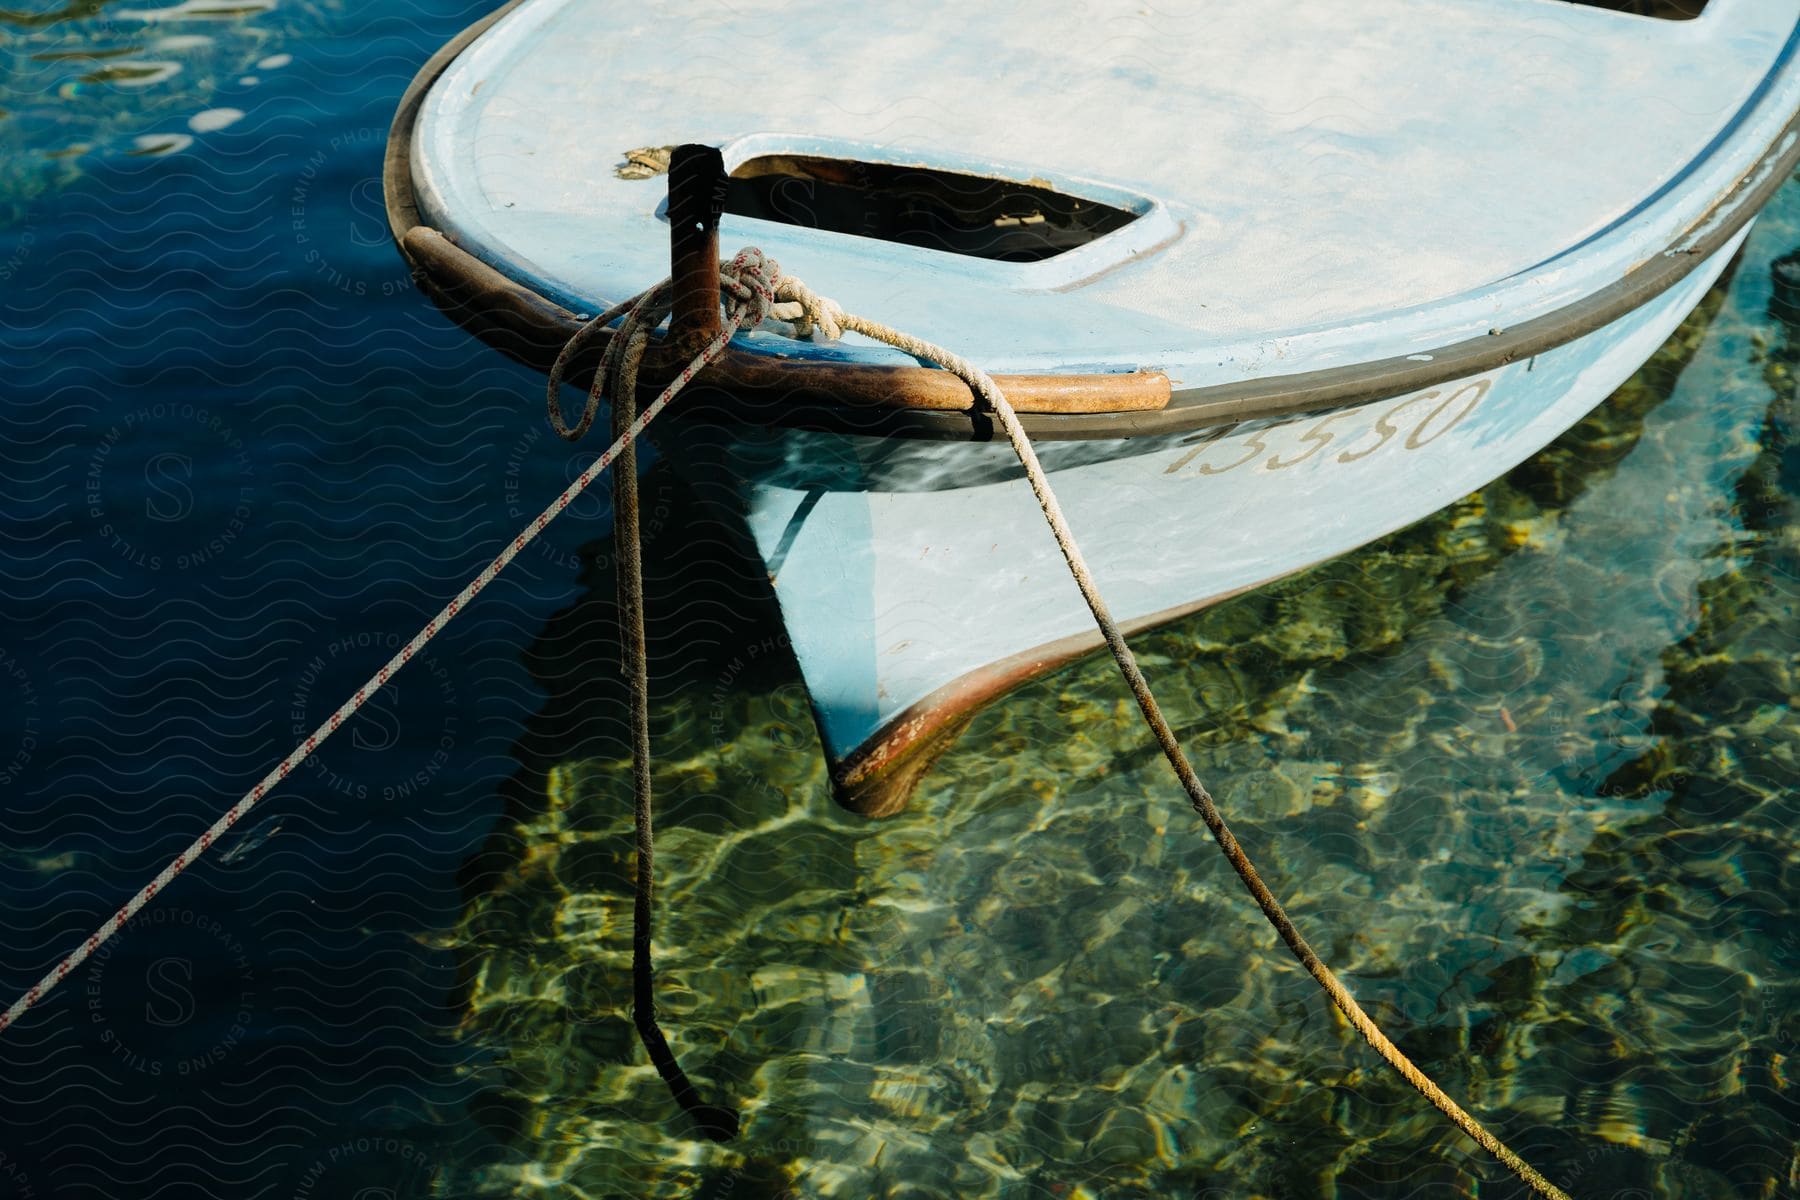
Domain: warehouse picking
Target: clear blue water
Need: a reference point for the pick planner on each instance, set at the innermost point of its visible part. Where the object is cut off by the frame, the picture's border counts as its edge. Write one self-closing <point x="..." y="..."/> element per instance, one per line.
<point x="1525" y="772"/>
<point x="242" y="461"/>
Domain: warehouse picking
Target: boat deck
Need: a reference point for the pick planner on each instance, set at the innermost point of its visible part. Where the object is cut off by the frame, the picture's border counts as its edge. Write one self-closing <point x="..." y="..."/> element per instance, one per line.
<point x="1505" y="159"/>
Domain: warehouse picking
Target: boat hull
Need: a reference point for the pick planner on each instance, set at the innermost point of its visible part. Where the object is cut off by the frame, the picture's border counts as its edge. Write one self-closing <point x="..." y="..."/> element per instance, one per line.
<point x="918" y="581"/>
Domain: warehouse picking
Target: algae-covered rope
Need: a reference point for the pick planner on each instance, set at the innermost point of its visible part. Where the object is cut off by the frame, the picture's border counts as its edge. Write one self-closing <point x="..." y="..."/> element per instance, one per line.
<point x="618" y="375"/>
<point x="832" y="320"/>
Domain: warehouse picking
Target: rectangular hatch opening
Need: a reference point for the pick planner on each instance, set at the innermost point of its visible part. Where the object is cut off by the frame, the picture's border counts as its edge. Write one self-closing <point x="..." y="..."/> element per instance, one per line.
<point x="1667" y="10"/>
<point x="999" y="219"/>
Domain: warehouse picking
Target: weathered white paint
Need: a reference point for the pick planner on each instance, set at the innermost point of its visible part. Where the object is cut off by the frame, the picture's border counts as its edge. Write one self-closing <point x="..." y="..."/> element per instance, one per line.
<point x="1349" y="182"/>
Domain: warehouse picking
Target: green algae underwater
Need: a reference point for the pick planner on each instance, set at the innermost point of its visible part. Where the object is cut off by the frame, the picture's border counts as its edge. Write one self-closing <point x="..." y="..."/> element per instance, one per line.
<point x="1522" y="772"/>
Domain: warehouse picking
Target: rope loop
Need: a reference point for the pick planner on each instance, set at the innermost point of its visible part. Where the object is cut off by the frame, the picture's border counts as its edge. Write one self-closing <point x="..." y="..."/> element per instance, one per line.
<point x="748" y="283"/>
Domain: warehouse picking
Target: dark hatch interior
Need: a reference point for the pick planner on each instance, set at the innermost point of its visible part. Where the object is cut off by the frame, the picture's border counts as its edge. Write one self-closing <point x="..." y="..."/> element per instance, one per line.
<point x="1001" y="219"/>
<point x="1668" y="10"/>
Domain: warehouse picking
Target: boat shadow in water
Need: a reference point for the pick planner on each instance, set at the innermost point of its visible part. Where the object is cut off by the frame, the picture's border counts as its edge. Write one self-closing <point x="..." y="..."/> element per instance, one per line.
<point x="1039" y="979"/>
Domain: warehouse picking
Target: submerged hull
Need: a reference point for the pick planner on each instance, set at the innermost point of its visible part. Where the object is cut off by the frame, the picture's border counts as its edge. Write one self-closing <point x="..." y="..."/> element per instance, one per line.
<point x="918" y="581"/>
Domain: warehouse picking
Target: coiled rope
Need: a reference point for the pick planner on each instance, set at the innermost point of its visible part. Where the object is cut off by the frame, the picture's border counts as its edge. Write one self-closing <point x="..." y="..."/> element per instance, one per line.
<point x="755" y="289"/>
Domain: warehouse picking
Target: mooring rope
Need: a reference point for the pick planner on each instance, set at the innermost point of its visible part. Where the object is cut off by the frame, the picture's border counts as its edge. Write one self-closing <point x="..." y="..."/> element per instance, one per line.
<point x="752" y="304"/>
<point x="814" y="310"/>
<point x="617" y="375"/>
<point x="808" y="311"/>
<point x="754" y="289"/>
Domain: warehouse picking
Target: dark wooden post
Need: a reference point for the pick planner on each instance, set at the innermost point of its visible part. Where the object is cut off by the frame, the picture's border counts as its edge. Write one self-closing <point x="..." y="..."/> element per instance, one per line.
<point x="696" y="198"/>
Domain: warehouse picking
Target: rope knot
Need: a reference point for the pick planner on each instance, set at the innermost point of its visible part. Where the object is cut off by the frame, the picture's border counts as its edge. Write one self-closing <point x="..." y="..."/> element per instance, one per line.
<point x="808" y="310"/>
<point x="750" y="282"/>
<point x="747" y="286"/>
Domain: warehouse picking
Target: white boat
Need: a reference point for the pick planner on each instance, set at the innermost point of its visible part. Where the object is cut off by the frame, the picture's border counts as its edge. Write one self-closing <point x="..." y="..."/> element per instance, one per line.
<point x="1268" y="278"/>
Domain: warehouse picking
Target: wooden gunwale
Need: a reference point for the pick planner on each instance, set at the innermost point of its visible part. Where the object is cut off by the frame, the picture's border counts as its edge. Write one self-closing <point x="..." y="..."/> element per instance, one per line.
<point x="927" y="403"/>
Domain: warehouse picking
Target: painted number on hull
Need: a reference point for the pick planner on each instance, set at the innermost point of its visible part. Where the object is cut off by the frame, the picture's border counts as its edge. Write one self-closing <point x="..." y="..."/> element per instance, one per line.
<point x="1409" y="420"/>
